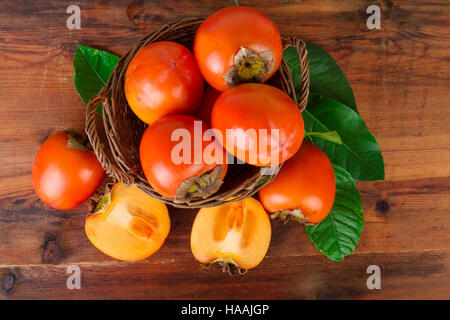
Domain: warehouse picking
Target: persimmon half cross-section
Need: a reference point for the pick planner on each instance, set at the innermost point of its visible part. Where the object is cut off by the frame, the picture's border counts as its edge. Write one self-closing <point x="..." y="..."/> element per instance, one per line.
<point x="235" y="233"/>
<point x="128" y="225"/>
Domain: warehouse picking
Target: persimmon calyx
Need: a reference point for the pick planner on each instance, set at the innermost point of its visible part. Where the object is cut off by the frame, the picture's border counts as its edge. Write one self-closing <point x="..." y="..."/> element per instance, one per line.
<point x="76" y="141"/>
<point x="249" y="66"/>
<point x="295" y="215"/>
<point x="200" y="187"/>
<point x="103" y="203"/>
<point x="228" y="265"/>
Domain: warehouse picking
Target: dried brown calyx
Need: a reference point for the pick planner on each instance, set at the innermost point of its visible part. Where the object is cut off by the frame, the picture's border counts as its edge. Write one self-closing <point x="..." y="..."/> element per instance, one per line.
<point x="293" y="215"/>
<point x="200" y="187"/>
<point x="249" y="66"/>
<point x="76" y="141"/>
<point x="227" y="265"/>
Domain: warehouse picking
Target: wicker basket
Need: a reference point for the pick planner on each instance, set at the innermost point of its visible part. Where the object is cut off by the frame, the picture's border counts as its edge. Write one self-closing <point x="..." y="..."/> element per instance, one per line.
<point x="115" y="137"/>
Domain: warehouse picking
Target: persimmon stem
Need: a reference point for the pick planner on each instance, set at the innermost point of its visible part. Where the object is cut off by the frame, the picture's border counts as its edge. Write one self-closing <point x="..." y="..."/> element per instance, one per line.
<point x="236" y="2"/>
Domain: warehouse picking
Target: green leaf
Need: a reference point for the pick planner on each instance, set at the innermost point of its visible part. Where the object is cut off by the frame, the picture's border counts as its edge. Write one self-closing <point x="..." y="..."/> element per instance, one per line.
<point x="359" y="152"/>
<point x="92" y="70"/>
<point x="290" y="55"/>
<point x="331" y="136"/>
<point x="326" y="78"/>
<point x="337" y="235"/>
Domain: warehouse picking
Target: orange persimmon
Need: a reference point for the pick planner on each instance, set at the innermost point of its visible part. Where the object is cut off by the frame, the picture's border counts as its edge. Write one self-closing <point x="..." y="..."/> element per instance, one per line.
<point x="162" y="79"/>
<point x="128" y="224"/>
<point x="236" y="233"/>
<point x="182" y="169"/>
<point x="305" y="187"/>
<point x="235" y="45"/>
<point x="258" y="124"/>
<point x="66" y="171"/>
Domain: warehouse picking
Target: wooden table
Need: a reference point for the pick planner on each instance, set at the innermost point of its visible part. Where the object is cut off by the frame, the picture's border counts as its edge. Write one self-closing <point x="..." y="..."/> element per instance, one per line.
<point x="400" y="78"/>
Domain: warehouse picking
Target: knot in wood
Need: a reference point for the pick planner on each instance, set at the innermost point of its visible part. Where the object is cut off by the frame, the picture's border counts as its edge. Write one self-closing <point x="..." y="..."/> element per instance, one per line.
<point x="52" y="252"/>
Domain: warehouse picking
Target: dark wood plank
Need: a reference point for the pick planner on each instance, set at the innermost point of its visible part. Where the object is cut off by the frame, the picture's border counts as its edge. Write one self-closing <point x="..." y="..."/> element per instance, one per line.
<point x="277" y="277"/>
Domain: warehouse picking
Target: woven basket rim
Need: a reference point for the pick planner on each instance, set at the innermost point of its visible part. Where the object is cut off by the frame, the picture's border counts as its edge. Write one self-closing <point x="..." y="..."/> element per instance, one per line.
<point x="115" y="157"/>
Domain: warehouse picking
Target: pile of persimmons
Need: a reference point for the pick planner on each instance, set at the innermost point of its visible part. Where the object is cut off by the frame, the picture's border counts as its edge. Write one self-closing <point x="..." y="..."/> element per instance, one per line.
<point x="194" y="131"/>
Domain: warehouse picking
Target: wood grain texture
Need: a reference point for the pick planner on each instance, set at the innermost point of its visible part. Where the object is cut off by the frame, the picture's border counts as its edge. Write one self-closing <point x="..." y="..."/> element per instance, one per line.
<point x="399" y="75"/>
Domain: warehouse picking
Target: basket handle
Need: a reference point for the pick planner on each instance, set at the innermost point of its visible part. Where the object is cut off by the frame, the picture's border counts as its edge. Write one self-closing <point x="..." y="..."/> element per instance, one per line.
<point x="94" y="138"/>
<point x="300" y="46"/>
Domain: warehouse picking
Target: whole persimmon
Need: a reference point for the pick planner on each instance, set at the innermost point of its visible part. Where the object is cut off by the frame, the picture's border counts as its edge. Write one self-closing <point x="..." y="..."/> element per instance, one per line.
<point x="258" y="124"/>
<point x="162" y="79"/>
<point x="304" y="188"/>
<point x="180" y="159"/>
<point x="236" y="45"/>
<point x="66" y="171"/>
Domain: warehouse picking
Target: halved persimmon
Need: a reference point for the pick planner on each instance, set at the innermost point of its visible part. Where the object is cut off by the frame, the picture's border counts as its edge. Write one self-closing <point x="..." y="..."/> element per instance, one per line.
<point x="236" y="233"/>
<point x="128" y="224"/>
